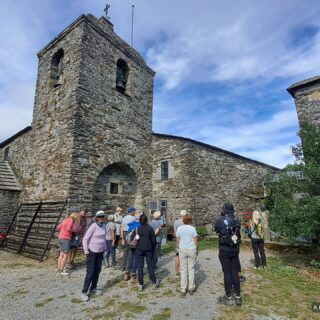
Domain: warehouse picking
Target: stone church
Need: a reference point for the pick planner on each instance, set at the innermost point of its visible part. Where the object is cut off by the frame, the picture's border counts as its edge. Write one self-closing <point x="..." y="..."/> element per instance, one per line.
<point x="91" y="139"/>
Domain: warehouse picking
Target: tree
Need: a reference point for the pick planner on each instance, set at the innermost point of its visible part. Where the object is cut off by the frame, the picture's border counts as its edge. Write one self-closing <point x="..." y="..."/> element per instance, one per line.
<point x="294" y="200"/>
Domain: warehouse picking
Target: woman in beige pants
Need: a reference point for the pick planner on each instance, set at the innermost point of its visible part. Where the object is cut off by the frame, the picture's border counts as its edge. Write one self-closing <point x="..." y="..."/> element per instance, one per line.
<point x="187" y="242"/>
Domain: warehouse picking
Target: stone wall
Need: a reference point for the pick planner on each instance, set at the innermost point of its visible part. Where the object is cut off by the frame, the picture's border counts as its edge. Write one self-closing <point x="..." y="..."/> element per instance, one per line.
<point x="110" y="126"/>
<point x="205" y="177"/>
<point x="9" y="201"/>
<point x="306" y="95"/>
<point x="22" y="162"/>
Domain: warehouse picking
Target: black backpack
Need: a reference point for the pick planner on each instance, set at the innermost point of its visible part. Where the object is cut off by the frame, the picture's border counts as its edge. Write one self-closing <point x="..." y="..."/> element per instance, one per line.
<point x="230" y="234"/>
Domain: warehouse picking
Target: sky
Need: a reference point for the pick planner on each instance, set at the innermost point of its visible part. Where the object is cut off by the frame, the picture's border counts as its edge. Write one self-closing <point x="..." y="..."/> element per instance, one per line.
<point x="222" y="67"/>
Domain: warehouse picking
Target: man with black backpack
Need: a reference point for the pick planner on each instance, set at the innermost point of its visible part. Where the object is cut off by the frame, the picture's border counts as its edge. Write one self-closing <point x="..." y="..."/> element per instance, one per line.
<point x="228" y="228"/>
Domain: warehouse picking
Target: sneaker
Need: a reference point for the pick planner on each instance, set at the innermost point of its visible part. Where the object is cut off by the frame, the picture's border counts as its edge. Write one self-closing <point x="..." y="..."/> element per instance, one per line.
<point x="140" y="287"/>
<point x="183" y="294"/>
<point x="64" y="273"/>
<point x="258" y="268"/>
<point x="84" y="297"/>
<point x="227" y="301"/>
<point x="242" y="278"/>
<point x="177" y="276"/>
<point x="238" y="300"/>
<point x="97" y="292"/>
<point x="156" y="285"/>
<point x="191" y="292"/>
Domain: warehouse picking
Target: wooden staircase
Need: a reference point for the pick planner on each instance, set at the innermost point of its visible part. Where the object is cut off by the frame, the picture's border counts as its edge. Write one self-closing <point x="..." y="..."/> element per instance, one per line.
<point x="33" y="227"/>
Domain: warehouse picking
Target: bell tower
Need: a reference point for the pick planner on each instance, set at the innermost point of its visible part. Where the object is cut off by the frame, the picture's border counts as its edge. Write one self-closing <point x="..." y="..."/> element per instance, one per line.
<point x="93" y="109"/>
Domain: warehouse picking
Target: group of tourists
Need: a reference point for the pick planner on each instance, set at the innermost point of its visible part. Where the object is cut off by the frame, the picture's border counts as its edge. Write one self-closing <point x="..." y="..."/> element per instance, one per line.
<point x="141" y="243"/>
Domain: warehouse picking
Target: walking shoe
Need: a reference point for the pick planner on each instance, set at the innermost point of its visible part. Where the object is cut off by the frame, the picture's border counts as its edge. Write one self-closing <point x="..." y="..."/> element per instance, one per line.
<point x="140" y="287"/>
<point x="183" y="294"/>
<point x="257" y="268"/>
<point x="238" y="301"/>
<point x="97" y="292"/>
<point x="84" y="297"/>
<point x="156" y="285"/>
<point x="177" y="276"/>
<point x="126" y="277"/>
<point x="191" y="292"/>
<point x="242" y="278"/>
<point x="227" y="301"/>
<point x="64" y="273"/>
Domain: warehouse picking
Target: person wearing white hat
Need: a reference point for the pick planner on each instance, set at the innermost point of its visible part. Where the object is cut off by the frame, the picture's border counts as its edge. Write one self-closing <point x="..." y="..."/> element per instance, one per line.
<point x="156" y="225"/>
<point x="110" y="242"/>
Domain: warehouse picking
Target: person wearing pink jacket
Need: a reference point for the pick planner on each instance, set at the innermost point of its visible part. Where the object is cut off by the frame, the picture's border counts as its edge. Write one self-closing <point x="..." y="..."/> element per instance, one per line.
<point x="65" y="235"/>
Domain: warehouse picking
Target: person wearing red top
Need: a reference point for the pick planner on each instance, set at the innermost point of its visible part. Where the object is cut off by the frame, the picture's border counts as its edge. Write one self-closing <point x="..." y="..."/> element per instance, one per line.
<point x="65" y="235"/>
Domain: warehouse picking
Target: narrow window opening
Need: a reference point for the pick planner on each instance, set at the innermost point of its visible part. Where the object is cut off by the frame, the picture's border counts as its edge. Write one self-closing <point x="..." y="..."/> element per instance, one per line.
<point x="57" y="67"/>
<point x="114" y="188"/>
<point x="122" y="75"/>
<point x="6" y="154"/>
<point x="164" y="170"/>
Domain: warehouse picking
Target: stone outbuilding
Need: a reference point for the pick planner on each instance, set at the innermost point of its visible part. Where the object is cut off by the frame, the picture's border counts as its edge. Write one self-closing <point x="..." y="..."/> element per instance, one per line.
<point x="91" y="139"/>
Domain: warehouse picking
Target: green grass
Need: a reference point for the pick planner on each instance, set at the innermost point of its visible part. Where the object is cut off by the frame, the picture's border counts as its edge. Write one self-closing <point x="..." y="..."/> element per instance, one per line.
<point x="43" y="303"/>
<point x="208" y="244"/>
<point x="281" y="289"/>
<point x="204" y="244"/>
<point x="165" y="314"/>
<point x="113" y="310"/>
<point x="170" y="246"/>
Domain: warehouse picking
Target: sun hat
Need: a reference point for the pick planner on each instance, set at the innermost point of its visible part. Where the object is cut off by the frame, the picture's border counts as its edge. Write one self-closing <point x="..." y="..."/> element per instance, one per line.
<point x="100" y="214"/>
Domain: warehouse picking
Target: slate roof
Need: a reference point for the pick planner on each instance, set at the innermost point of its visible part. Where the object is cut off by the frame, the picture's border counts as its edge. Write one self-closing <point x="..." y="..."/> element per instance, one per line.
<point x="303" y="83"/>
<point x="209" y="146"/>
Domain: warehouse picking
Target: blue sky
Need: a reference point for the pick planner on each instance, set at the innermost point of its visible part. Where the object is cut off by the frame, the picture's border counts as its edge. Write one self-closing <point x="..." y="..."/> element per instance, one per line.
<point x="222" y="66"/>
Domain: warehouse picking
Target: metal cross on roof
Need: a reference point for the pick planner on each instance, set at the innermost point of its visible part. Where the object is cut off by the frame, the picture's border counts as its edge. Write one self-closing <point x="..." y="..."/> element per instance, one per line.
<point x="106" y="9"/>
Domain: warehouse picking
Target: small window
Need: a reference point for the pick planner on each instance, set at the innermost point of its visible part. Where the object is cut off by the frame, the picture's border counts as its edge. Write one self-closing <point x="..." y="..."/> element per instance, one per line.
<point x="163" y="205"/>
<point x="122" y="75"/>
<point x="57" y="67"/>
<point x="164" y="170"/>
<point x="114" y="188"/>
<point x="153" y="205"/>
<point x="6" y="154"/>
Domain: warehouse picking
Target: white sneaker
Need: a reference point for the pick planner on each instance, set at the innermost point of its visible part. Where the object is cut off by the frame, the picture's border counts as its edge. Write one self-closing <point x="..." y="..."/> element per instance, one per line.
<point x="156" y="285"/>
<point x="64" y="273"/>
<point x="84" y="297"/>
<point x="140" y="287"/>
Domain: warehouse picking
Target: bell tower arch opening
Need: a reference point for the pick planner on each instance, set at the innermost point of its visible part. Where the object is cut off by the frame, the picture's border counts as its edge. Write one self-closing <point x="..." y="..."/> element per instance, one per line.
<point x="115" y="186"/>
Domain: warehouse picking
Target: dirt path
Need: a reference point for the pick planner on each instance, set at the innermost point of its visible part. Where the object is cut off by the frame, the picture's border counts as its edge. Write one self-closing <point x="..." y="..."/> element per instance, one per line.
<point x="31" y="290"/>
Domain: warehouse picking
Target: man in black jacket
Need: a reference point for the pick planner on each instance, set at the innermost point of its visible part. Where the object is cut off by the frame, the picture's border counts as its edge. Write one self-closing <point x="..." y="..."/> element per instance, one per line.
<point x="228" y="228"/>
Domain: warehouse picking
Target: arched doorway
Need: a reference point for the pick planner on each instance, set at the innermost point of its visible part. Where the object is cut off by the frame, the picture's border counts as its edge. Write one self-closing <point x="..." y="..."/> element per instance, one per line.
<point x="116" y="185"/>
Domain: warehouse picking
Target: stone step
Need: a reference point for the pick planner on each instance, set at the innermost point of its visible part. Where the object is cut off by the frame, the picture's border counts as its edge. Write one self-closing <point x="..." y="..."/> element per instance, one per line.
<point x="8" y="180"/>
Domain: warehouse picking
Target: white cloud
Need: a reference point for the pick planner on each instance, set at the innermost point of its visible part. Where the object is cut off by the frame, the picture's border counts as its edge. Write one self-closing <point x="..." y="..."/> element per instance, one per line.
<point x="241" y="44"/>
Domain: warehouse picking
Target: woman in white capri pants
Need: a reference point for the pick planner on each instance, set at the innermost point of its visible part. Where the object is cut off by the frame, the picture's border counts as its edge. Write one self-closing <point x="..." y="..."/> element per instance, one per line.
<point x="187" y="242"/>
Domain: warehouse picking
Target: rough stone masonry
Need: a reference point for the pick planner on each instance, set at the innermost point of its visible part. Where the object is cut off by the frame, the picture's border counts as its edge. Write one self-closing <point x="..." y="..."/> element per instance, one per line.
<point x="91" y="138"/>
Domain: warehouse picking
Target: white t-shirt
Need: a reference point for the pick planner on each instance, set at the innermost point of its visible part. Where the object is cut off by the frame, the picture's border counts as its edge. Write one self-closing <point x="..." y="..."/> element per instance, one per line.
<point x="186" y="233"/>
<point x="126" y="220"/>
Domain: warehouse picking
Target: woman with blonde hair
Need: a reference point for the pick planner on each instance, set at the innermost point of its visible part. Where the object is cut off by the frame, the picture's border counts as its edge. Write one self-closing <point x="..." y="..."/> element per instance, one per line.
<point x="257" y="239"/>
<point x="66" y="228"/>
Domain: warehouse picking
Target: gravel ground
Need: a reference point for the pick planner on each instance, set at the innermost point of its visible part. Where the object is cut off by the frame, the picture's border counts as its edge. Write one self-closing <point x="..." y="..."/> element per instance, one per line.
<point x="32" y="290"/>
